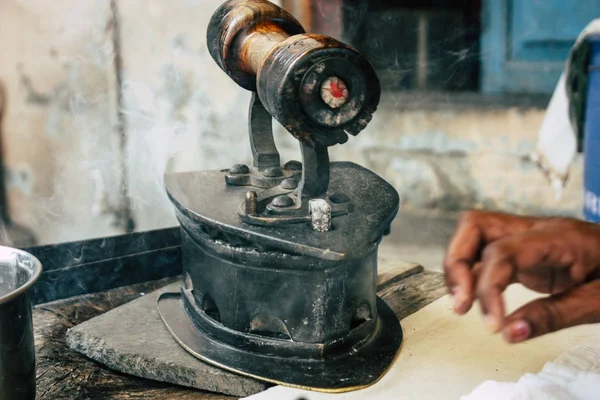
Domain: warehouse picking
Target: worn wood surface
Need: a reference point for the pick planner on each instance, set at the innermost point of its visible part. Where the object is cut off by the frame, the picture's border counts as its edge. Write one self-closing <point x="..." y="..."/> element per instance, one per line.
<point x="63" y="374"/>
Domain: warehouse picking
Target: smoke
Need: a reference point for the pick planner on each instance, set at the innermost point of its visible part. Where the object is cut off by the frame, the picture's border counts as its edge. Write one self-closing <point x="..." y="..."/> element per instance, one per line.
<point x="179" y="121"/>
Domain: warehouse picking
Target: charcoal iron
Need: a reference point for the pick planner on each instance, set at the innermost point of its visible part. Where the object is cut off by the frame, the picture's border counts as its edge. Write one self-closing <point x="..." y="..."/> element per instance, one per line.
<point x="280" y="263"/>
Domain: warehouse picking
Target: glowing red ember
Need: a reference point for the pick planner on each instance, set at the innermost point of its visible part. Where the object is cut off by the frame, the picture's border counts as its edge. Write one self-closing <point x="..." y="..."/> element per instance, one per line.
<point x="334" y="92"/>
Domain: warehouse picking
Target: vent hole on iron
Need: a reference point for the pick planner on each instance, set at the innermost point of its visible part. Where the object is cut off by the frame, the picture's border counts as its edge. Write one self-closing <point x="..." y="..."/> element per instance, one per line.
<point x="269" y="326"/>
<point x="361" y="315"/>
<point x="210" y="308"/>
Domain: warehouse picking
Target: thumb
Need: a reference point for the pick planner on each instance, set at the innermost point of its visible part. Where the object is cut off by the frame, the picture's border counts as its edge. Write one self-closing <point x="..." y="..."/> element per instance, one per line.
<point x="577" y="306"/>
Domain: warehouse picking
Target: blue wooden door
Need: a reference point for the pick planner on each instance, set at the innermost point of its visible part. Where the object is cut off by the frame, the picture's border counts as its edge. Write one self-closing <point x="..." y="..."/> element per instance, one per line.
<point x="525" y="43"/>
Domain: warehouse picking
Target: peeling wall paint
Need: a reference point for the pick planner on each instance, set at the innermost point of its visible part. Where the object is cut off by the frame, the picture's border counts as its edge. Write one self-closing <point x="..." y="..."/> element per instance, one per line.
<point x="56" y="63"/>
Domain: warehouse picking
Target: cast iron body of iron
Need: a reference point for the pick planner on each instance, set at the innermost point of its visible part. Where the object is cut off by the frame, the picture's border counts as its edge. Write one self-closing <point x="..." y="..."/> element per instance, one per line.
<point x="280" y="263"/>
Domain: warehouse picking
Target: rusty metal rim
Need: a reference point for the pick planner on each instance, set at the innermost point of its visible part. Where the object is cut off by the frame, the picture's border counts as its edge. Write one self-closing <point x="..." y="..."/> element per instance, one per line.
<point x="34" y="273"/>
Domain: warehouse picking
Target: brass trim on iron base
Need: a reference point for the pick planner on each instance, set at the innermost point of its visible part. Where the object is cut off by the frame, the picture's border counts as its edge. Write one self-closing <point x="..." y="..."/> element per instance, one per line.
<point x="181" y="326"/>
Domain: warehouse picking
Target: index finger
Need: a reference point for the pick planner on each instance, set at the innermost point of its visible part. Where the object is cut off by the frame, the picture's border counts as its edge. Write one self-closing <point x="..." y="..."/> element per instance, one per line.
<point x="474" y="231"/>
<point x="460" y="257"/>
<point x="505" y="260"/>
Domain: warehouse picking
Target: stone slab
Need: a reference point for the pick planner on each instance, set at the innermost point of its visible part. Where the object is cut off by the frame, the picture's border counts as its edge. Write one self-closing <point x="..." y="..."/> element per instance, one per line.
<point x="133" y="339"/>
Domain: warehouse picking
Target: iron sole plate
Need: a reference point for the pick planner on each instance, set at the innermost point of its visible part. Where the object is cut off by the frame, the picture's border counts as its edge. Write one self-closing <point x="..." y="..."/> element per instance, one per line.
<point x="355" y="371"/>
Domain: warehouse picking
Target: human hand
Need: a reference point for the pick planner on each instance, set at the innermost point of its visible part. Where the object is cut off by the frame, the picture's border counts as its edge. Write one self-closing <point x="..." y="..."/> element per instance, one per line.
<point x="558" y="256"/>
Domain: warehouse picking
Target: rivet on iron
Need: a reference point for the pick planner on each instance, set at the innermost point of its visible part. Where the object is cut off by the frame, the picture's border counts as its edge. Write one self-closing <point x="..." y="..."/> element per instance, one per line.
<point x="293" y="165"/>
<point x="282" y="201"/>
<point x="289" y="184"/>
<point x="251" y="203"/>
<point x="320" y="214"/>
<point x="273" y="172"/>
<point x="239" y="169"/>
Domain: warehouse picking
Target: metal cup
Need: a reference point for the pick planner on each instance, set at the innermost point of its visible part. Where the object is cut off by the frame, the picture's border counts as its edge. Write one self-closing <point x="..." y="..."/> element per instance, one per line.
<point x="18" y="272"/>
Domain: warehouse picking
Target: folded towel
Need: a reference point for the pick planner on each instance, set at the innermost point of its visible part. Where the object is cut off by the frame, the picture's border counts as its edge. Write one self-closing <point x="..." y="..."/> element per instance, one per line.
<point x="563" y="121"/>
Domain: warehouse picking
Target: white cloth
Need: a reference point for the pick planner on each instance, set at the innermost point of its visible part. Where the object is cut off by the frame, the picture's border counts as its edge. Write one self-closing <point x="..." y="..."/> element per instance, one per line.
<point x="573" y="376"/>
<point x="557" y="141"/>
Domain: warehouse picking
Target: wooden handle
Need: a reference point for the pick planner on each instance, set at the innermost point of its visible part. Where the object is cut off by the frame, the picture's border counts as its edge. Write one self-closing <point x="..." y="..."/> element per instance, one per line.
<point x="257" y="42"/>
<point x="318" y="88"/>
<point x="242" y="32"/>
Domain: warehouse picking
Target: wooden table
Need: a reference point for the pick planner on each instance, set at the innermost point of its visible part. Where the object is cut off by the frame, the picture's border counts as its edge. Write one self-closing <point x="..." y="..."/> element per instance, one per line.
<point x="64" y="374"/>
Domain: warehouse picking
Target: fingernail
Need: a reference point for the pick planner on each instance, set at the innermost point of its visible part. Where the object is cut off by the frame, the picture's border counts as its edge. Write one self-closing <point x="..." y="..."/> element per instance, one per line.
<point x="459" y="297"/>
<point x="516" y="331"/>
<point x="492" y="323"/>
